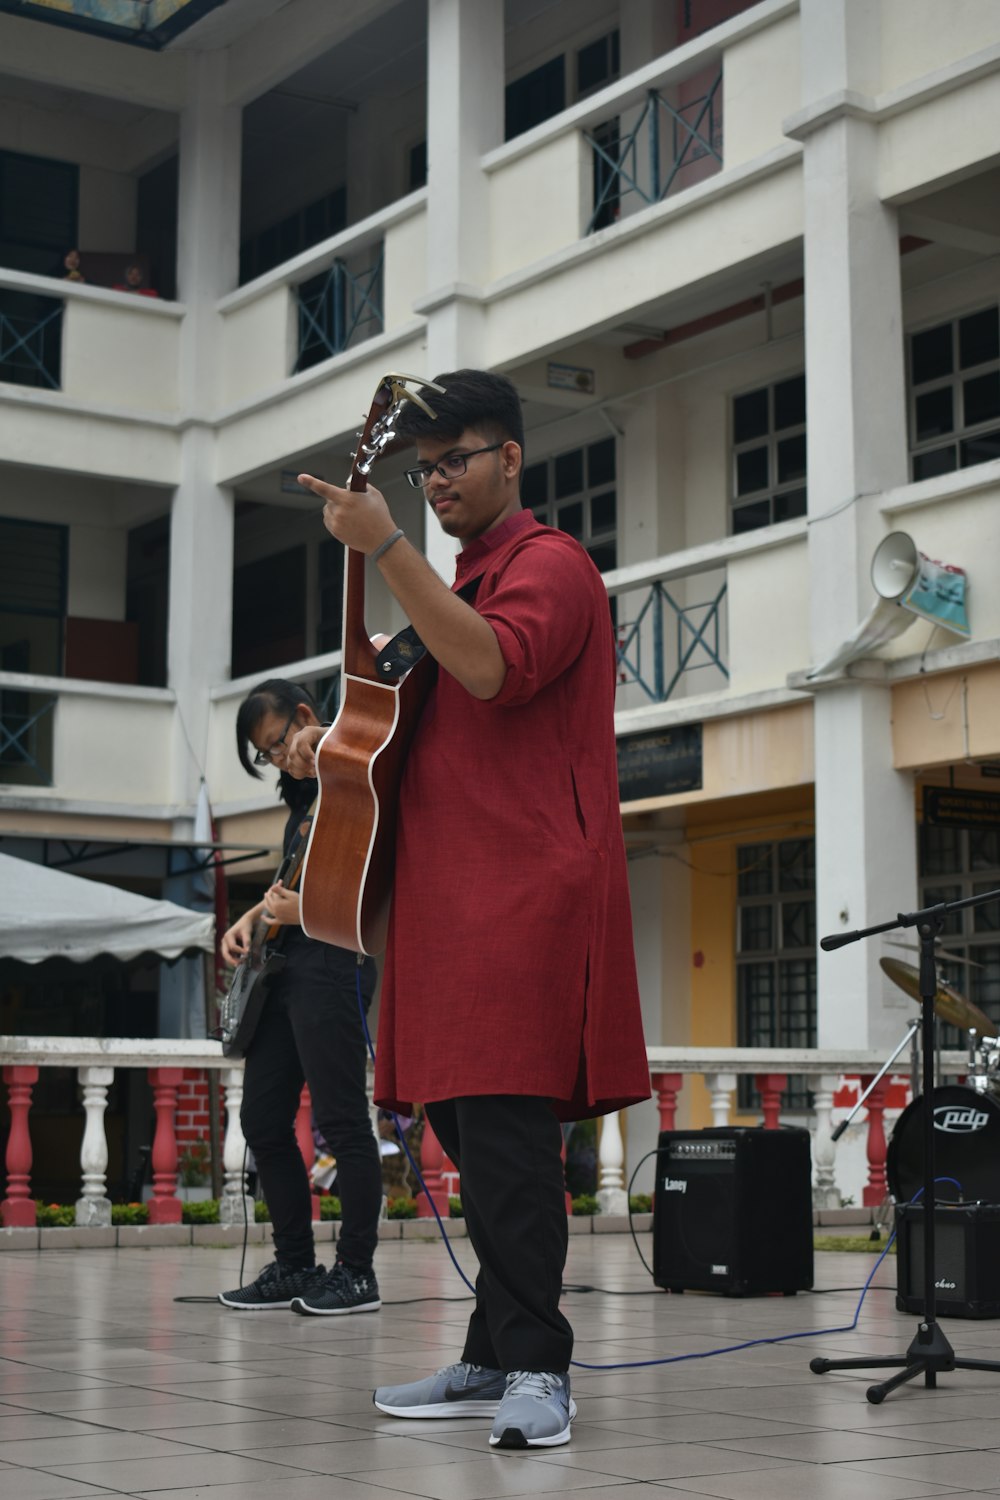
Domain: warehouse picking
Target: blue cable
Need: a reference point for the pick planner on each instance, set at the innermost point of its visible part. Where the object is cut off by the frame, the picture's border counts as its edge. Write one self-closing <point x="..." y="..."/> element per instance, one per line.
<point x="673" y="1359"/>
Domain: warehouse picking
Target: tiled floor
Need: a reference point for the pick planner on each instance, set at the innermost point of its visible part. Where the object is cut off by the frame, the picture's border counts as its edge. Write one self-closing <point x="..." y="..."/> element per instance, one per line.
<point x="108" y="1386"/>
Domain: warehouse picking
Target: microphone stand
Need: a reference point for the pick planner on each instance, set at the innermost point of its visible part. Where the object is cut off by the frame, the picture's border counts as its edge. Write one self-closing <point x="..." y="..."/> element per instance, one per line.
<point x="929" y="1353"/>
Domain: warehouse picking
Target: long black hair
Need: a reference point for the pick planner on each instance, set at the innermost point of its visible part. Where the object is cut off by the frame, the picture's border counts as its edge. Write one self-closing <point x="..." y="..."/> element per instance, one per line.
<point x="275" y="696"/>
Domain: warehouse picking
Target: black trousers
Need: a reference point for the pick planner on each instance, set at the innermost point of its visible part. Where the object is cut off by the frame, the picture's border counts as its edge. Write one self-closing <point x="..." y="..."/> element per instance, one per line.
<point x="310" y="1031"/>
<point x="507" y="1150"/>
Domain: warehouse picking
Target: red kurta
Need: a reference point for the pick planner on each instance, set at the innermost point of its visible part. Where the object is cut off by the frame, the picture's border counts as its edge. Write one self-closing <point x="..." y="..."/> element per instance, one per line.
<point x="510" y="967"/>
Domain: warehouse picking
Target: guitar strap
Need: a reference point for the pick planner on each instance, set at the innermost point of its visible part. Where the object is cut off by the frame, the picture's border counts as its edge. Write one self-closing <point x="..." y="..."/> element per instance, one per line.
<point x="405" y="649"/>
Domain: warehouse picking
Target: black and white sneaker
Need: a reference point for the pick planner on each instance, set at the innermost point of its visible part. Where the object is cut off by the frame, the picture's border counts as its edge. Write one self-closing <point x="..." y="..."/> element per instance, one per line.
<point x="345" y="1290"/>
<point x="277" y="1286"/>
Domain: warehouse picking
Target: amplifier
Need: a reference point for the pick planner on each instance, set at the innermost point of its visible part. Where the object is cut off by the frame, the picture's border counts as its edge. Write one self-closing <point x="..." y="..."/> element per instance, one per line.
<point x="732" y="1211"/>
<point x="966" y="1259"/>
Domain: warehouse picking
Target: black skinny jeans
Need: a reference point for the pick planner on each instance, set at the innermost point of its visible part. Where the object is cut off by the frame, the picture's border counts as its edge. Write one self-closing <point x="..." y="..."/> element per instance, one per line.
<point x="507" y="1150"/>
<point x="310" y="1031"/>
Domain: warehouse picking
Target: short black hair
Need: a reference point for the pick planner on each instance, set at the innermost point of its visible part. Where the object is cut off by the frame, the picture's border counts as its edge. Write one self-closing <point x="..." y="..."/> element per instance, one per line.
<point x="472" y="398"/>
<point x="275" y="696"/>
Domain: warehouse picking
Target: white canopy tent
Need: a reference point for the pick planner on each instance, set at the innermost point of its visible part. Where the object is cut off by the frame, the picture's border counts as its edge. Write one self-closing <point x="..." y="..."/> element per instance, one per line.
<point x="49" y="914"/>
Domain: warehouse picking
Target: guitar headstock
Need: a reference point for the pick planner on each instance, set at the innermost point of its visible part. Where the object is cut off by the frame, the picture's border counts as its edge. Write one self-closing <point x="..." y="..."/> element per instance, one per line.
<point x="380" y="427"/>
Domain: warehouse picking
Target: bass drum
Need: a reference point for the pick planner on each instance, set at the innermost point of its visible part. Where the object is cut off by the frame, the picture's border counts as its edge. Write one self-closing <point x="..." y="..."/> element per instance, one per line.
<point x="966" y="1147"/>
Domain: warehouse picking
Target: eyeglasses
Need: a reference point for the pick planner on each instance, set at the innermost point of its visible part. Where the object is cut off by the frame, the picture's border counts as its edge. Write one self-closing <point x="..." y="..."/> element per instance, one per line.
<point x="265" y="757"/>
<point x="452" y="466"/>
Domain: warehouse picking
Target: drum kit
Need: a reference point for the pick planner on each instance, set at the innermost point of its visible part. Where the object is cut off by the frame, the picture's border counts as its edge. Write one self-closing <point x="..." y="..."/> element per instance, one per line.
<point x="966" y="1115"/>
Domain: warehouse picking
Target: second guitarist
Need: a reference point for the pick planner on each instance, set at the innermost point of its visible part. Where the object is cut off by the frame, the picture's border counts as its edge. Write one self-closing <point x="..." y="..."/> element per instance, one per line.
<point x="309" y="1031"/>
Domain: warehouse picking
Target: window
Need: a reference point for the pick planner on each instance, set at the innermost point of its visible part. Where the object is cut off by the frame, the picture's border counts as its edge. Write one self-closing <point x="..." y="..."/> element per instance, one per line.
<point x="38" y="212"/>
<point x="597" y="64"/>
<point x="776" y="954"/>
<point x="956" y="863"/>
<point x="575" y="492"/>
<point x="954" y="396"/>
<point x="301" y="230"/>
<point x="269" y="612"/>
<point x="537" y="96"/>
<point x="416" y="167"/>
<point x="769" y="454"/>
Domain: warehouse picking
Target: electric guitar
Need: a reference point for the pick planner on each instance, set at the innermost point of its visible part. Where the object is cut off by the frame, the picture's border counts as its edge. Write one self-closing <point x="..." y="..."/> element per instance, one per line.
<point x="347" y="877"/>
<point x="240" y="1011"/>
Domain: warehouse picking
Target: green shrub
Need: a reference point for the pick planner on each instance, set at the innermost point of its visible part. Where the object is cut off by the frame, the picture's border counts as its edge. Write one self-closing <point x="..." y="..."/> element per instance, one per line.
<point x="261" y="1213"/>
<point x="130" y="1213"/>
<point x="329" y="1207"/>
<point x="204" y="1212"/>
<point x="455" y="1209"/>
<point x="54" y="1215"/>
<point x="640" y="1203"/>
<point x="194" y="1164"/>
<point x="584" y="1204"/>
<point x="402" y="1208"/>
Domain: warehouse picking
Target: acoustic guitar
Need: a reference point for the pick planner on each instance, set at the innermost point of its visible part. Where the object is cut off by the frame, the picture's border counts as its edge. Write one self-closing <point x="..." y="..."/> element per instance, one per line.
<point x="240" y="1011"/>
<point x="347" y="876"/>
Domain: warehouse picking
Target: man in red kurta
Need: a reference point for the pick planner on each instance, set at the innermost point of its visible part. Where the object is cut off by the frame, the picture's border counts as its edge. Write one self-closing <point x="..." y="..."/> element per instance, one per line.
<point x="509" y="998"/>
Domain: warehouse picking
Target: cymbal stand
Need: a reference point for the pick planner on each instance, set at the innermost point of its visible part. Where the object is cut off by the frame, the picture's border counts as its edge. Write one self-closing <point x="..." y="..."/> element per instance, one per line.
<point x="929" y="1353"/>
<point x="911" y="1033"/>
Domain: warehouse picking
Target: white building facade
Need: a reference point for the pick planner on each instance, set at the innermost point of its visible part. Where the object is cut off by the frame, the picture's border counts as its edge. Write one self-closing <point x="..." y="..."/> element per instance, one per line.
<point x="741" y="262"/>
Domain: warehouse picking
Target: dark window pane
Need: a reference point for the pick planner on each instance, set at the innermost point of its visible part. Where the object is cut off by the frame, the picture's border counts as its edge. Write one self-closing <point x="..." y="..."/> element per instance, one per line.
<point x="597" y="63"/>
<point x="751" y="517"/>
<point x="535" y="485"/>
<point x="604" y="557"/>
<point x="798" y="924"/>
<point x="985" y="918"/>
<point x="934" y="413"/>
<point x="569" y="473"/>
<point x="536" y="97"/>
<point x="938" y="461"/>
<point x="981" y="449"/>
<point x="570" y="518"/>
<point x="940" y="850"/>
<point x="753" y="864"/>
<point x="789" y="505"/>
<point x="751" y="471"/>
<point x="790" y="403"/>
<point x="757" y="1004"/>
<point x="603" y="513"/>
<point x="601" y="463"/>
<point x="979" y="338"/>
<point x="796" y="865"/>
<point x="417" y="176"/>
<point x="756" y="930"/>
<point x="750" y="416"/>
<point x="792" y="458"/>
<point x="984" y="848"/>
<point x="982" y="398"/>
<point x="931" y="354"/>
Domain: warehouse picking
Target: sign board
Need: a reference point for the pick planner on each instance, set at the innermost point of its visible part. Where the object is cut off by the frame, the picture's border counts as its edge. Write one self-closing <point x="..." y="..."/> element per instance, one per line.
<point x="662" y="763"/>
<point x="952" y="807"/>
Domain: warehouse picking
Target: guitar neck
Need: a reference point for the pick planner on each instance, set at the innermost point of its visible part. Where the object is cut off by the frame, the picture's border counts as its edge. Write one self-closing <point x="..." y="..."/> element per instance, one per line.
<point x="358" y="651"/>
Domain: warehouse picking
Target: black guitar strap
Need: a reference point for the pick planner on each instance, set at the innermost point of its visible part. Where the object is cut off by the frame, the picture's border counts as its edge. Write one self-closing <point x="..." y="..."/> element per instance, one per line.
<point x="405" y="649"/>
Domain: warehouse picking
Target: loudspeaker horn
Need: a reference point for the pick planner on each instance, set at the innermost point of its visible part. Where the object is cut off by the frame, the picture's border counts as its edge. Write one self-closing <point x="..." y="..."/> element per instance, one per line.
<point x="895" y="565"/>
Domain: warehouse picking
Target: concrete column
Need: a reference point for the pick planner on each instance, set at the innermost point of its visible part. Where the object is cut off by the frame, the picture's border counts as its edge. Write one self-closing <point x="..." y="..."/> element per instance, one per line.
<point x="865" y="835"/>
<point x="201" y="521"/>
<point x="465" y="97"/>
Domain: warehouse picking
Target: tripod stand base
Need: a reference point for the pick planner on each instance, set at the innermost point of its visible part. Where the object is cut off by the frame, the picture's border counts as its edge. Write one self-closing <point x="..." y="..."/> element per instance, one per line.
<point x="929" y="1355"/>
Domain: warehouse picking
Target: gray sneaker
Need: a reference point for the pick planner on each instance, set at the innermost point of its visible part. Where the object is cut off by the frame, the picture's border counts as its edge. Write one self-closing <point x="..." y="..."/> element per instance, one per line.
<point x="456" y="1391"/>
<point x="535" y="1412"/>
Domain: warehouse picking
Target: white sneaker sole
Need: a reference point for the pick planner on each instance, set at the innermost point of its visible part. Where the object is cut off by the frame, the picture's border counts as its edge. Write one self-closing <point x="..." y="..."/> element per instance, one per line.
<point x="555" y="1441"/>
<point x="300" y="1305"/>
<point x="255" y="1306"/>
<point x="442" y="1409"/>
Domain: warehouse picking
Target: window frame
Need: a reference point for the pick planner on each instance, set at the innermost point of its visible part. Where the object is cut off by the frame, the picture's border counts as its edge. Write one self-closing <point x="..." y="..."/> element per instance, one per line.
<point x="961" y="432"/>
<point x="775" y="488"/>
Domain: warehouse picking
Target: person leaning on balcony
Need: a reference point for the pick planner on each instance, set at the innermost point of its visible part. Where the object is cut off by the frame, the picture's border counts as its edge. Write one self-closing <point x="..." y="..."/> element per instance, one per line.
<point x="71" y="262"/>
<point x="509" y="997"/>
<point x="310" y="1031"/>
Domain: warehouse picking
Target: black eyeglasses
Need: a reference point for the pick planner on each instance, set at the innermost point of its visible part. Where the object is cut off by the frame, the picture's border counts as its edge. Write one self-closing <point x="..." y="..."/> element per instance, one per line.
<point x="265" y="757"/>
<point x="450" y="467"/>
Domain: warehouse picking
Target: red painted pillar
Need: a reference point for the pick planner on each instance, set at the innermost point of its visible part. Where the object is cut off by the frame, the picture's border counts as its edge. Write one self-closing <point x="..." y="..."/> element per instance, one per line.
<point x="771" y="1086"/>
<point x="18" y="1208"/>
<point x="165" y="1206"/>
<point x="432" y="1168"/>
<point x="877" y="1187"/>
<point x="667" y="1086"/>
<point x="304" y="1136"/>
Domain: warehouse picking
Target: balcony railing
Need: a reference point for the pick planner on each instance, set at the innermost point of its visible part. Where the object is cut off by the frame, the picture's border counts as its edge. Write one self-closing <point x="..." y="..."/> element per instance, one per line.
<point x="649" y="160"/>
<point x="169" y="1062"/>
<point x="339" y="308"/>
<point x="30" y="340"/>
<point x="26" y="738"/>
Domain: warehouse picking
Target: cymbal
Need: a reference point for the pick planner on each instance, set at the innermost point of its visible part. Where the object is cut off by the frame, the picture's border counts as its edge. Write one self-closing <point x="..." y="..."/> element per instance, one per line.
<point x="948" y="1003"/>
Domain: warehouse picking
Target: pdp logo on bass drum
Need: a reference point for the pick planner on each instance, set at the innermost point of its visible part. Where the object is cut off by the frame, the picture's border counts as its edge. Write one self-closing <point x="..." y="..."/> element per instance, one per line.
<point x="959" y="1119"/>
